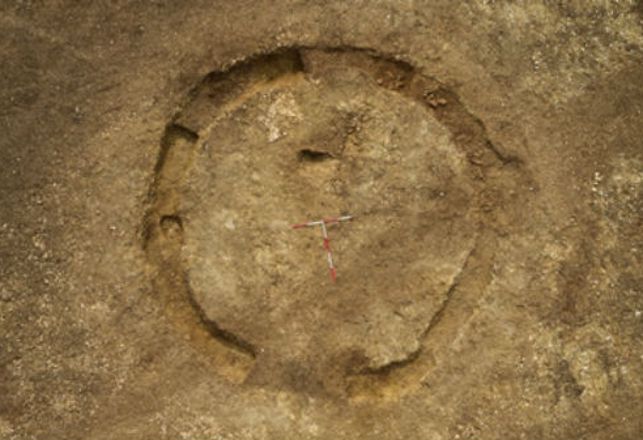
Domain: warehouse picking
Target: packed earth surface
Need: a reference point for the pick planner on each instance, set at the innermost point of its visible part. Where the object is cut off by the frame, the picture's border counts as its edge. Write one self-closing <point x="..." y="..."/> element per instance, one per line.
<point x="156" y="156"/>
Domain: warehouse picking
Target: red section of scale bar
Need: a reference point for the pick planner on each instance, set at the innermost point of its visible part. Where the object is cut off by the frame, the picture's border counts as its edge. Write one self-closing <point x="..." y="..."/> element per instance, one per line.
<point x="333" y="274"/>
<point x="323" y="222"/>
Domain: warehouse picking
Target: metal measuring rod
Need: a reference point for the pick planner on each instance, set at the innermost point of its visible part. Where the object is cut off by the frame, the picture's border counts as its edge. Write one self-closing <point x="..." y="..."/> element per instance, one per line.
<point x="323" y="222"/>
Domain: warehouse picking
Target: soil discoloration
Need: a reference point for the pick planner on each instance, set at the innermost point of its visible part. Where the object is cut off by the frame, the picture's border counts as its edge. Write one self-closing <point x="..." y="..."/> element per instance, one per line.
<point x="156" y="153"/>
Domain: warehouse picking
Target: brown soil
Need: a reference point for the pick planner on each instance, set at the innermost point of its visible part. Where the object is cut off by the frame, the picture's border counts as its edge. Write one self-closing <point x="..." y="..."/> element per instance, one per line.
<point x="157" y="154"/>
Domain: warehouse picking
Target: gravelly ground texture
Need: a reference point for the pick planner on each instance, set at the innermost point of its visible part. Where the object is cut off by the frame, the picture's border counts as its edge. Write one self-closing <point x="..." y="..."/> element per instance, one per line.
<point x="155" y="155"/>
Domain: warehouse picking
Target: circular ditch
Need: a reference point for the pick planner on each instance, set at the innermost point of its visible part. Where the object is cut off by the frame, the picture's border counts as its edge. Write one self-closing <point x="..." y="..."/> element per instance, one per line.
<point x="299" y="135"/>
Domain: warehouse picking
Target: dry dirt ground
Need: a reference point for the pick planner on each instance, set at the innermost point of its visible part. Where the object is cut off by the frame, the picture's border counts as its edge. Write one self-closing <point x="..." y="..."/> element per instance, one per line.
<point x="155" y="155"/>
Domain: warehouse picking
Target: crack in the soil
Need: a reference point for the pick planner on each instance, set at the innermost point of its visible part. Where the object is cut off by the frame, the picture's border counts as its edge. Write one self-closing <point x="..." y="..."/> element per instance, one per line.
<point x="309" y="155"/>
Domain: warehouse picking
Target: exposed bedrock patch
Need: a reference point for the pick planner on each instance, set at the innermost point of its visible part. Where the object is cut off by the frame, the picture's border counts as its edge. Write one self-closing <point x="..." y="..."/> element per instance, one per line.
<point x="301" y="134"/>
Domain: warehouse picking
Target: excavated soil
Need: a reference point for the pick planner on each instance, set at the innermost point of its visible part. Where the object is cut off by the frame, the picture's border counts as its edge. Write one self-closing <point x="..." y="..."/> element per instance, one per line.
<point x="157" y="155"/>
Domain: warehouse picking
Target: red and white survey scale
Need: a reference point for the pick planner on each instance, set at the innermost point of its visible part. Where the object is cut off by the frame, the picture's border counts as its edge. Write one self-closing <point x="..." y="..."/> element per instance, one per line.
<point x="322" y="223"/>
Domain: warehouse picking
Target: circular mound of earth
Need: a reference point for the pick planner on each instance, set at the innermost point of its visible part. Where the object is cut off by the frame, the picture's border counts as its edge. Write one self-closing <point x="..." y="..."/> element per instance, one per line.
<point x="315" y="147"/>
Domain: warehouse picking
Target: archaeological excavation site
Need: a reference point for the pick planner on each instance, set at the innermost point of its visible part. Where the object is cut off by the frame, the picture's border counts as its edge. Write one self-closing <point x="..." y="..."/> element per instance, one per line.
<point x="297" y="219"/>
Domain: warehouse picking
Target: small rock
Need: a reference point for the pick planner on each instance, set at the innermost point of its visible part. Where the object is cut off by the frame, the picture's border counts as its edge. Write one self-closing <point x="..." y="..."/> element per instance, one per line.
<point x="229" y="224"/>
<point x="433" y="100"/>
<point x="5" y="296"/>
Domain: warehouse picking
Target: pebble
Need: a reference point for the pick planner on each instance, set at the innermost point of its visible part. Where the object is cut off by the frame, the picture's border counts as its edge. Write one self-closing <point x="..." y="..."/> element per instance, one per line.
<point x="229" y="224"/>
